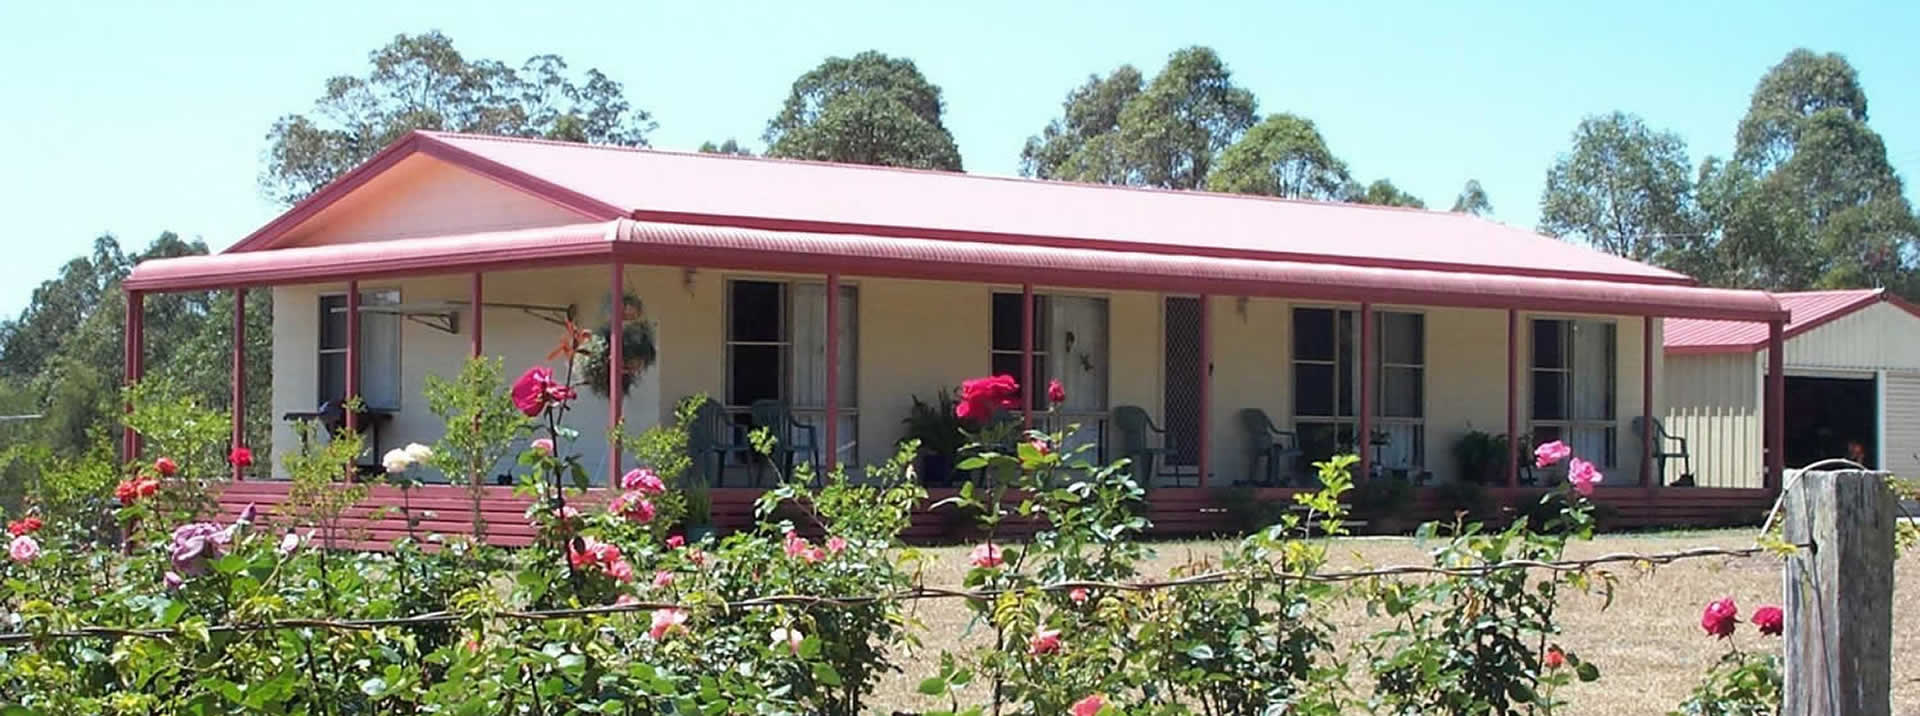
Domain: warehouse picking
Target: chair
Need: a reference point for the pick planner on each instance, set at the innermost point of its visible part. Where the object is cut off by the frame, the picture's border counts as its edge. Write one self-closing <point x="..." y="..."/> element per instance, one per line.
<point x="705" y="446"/>
<point x="1661" y="439"/>
<point x="1280" y="448"/>
<point x="1135" y="444"/>
<point x="788" y="432"/>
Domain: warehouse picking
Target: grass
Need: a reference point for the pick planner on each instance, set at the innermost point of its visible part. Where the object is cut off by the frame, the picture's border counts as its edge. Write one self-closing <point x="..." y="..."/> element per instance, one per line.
<point x="1648" y="643"/>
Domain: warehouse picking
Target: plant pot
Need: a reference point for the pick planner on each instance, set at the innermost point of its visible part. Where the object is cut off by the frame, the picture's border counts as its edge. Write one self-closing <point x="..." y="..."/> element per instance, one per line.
<point x="697" y="533"/>
<point x="936" y="469"/>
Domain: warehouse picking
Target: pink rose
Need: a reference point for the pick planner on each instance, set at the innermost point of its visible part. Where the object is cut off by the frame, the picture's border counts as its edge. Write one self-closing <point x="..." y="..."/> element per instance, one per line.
<point x="536" y="389"/>
<point x="666" y="621"/>
<point x="790" y="638"/>
<point x="1583" y="475"/>
<point x="1719" y="617"/>
<point x="1089" y="706"/>
<point x="663" y="579"/>
<point x="980" y="398"/>
<point x="1056" y="391"/>
<point x="794" y="544"/>
<point x="1040" y="446"/>
<point x="644" y="480"/>
<point x="836" y="545"/>
<point x="1044" y="641"/>
<point x="676" y="542"/>
<point x="1078" y="595"/>
<point x="985" y="555"/>
<point x="620" y="570"/>
<point x="23" y="549"/>
<point x="240" y="457"/>
<point x="289" y="543"/>
<point x="543" y="446"/>
<point x="1550" y="453"/>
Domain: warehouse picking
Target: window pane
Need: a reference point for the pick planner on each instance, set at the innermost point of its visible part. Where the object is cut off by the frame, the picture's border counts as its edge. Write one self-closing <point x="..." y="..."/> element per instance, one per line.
<point x="1312" y="389"/>
<point x="1403" y="338"/>
<point x="1349" y="363"/>
<point x="333" y="377"/>
<point x="1593" y="370"/>
<point x="1549" y="395"/>
<point x="333" y="322"/>
<point x="756" y="374"/>
<point x="757" y="309"/>
<point x="1549" y="345"/>
<point x="1077" y="351"/>
<point x="1319" y="441"/>
<point x="1401" y="392"/>
<point x="1312" y="334"/>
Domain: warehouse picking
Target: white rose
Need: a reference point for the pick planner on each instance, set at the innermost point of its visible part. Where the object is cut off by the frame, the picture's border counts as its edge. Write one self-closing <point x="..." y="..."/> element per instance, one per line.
<point x="419" y="453"/>
<point x="396" y="461"/>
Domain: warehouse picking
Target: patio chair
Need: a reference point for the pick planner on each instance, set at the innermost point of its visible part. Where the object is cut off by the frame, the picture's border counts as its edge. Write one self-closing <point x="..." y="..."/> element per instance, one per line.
<point x="1661" y="452"/>
<point x="792" y="436"/>
<point x="1279" y="448"/>
<point x="1136" y="443"/>
<point x="711" y="439"/>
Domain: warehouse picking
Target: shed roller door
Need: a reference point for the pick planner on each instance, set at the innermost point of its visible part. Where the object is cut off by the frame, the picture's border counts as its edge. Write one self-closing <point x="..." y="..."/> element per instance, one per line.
<point x="1903" y="424"/>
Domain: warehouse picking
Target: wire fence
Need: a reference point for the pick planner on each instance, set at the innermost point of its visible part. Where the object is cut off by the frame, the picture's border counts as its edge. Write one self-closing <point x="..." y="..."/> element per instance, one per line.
<point x="920" y="593"/>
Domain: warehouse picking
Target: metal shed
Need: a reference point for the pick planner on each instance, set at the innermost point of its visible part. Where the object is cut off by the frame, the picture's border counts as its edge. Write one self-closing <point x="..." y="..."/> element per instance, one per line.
<point x="1853" y="385"/>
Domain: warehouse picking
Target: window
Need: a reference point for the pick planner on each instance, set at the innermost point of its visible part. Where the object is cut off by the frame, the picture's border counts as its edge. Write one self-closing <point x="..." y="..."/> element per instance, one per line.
<point x="777" y="350"/>
<point x="1573" y="386"/>
<point x="1326" y="385"/>
<point x="1006" y="346"/>
<point x="379" y="350"/>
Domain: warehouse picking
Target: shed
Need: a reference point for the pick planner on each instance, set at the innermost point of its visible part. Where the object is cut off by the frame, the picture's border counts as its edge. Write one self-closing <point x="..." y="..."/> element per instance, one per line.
<point x="1852" y="366"/>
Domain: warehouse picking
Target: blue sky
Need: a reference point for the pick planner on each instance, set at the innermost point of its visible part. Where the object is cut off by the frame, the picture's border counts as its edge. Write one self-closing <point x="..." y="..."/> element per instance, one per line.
<point x="140" y="117"/>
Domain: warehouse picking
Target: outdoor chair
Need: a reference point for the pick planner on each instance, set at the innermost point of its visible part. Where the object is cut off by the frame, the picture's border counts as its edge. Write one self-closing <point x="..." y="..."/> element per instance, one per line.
<point x="1662" y="452"/>
<point x="711" y="439"/>
<point x="1279" y="448"/>
<point x="791" y="435"/>
<point x="1137" y="433"/>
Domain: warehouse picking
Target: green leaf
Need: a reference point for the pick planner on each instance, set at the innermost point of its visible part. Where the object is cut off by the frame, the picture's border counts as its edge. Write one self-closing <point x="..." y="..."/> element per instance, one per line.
<point x="1200" y="652"/>
<point x="825" y="674"/>
<point x="374" y="687"/>
<point x="933" y="687"/>
<point x="972" y="463"/>
<point x="1587" y="671"/>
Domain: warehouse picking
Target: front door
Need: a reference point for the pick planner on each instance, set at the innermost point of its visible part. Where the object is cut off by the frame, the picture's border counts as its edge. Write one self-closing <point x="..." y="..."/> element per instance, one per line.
<point x="1181" y="394"/>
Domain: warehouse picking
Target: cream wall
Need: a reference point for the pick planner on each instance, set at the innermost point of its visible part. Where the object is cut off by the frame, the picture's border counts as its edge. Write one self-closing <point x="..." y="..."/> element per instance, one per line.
<point x="916" y="337"/>
<point x="1714" y="402"/>
<point x="518" y="339"/>
<point x="424" y="196"/>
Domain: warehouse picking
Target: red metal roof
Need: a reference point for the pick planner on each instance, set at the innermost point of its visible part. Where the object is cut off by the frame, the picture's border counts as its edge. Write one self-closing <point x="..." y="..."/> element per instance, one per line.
<point x="608" y="182"/>
<point x="1808" y="309"/>
<point x="646" y="242"/>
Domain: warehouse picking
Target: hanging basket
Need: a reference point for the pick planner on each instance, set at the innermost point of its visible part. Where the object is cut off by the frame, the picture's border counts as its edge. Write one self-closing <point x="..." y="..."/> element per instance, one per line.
<point x="637" y="350"/>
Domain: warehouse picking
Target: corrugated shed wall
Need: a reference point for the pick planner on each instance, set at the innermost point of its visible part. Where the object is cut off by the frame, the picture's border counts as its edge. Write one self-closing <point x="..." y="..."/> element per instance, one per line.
<point x="1713" y="402"/>
<point x="1903" y="424"/>
<point x="1878" y="337"/>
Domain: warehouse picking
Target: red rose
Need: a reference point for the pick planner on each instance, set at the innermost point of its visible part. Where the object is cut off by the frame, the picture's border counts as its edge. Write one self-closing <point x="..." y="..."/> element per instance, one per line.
<point x="24" y="526"/>
<point x="146" y="486"/>
<point x="536" y="389"/>
<point x="126" y="492"/>
<point x="1719" y="617"/>
<point x="1554" y="659"/>
<point x="165" y="466"/>
<point x="980" y="398"/>
<point x="240" y="457"/>
<point x="1056" y="393"/>
<point x="1770" y="620"/>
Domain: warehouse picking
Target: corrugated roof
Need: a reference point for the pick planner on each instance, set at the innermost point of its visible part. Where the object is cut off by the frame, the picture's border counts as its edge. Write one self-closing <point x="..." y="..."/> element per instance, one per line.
<point x="738" y="248"/>
<point x="607" y="182"/>
<point x="1807" y="309"/>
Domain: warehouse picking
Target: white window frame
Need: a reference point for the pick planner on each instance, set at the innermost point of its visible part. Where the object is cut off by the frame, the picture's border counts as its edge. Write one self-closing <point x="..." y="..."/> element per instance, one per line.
<point x="1378" y="418"/>
<point x="1041" y="324"/>
<point x="815" y="414"/>
<point x="381" y="296"/>
<point x="1566" y="426"/>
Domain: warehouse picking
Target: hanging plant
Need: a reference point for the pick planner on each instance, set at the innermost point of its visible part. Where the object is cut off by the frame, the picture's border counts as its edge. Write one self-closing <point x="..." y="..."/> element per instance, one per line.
<point x="637" y="350"/>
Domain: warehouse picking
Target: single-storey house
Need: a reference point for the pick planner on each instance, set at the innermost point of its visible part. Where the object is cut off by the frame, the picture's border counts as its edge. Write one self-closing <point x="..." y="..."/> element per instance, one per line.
<point x="1852" y="363"/>
<point x="838" y="293"/>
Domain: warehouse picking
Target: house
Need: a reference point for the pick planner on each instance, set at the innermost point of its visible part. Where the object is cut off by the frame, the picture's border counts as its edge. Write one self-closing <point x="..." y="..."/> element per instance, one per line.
<point x="1852" y="375"/>
<point x="842" y="291"/>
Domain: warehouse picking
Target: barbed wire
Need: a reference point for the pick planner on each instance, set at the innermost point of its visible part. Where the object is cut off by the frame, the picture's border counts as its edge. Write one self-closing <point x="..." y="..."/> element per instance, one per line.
<point x="919" y="592"/>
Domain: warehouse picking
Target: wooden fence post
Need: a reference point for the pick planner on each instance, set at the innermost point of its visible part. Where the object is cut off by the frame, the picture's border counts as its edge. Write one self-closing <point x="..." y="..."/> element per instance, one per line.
<point x="1839" y="594"/>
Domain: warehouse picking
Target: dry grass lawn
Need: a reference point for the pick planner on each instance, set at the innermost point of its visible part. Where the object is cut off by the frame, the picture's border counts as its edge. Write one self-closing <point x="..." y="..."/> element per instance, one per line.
<point x="1648" y="644"/>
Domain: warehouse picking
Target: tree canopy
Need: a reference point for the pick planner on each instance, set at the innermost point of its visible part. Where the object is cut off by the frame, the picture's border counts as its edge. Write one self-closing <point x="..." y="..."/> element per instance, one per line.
<point x="1165" y="133"/>
<point x="1623" y="188"/>
<point x="1472" y="200"/>
<point x="1284" y="155"/>
<point x="422" y="82"/>
<point x="867" y="109"/>
<point x="727" y="147"/>
<point x="1383" y="193"/>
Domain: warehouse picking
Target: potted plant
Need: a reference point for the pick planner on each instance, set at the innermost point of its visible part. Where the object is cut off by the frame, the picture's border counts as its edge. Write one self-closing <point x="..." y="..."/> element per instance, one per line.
<point x="1480" y="456"/>
<point x="939" y="432"/>
<point x="637" y="349"/>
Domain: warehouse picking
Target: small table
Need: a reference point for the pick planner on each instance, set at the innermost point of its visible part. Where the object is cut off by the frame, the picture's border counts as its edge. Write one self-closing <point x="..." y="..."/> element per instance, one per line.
<point x="368" y="420"/>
